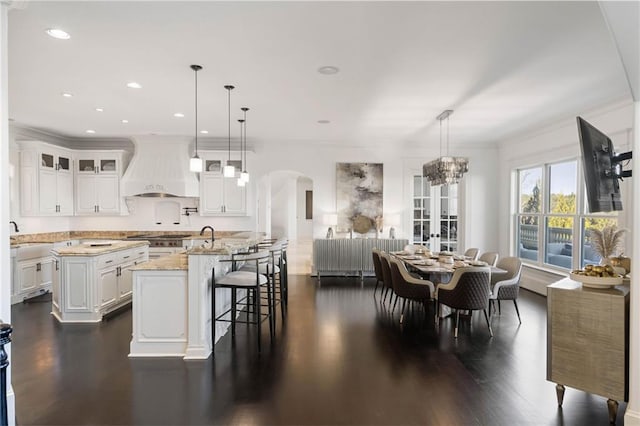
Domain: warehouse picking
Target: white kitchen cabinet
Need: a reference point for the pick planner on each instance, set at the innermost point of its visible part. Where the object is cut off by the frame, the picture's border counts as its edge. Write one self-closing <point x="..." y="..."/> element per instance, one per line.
<point x="108" y="284"/>
<point x="46" y="180"/>
<point x="33" y="277"/>
<point x="97" y="175"/>
<point x="220" y="196"/>
<point x="92" y="285"/>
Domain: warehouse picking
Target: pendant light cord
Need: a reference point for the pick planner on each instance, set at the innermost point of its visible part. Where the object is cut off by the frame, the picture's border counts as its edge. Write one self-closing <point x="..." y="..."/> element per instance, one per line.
<point x="441" y="138"/>
<point x="229" y="116"/>
<point x="447" y="136"/>
<point x="196" y="72"/>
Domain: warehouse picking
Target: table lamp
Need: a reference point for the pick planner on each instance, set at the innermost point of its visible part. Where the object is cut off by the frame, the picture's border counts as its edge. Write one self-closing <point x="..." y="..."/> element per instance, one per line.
<point x="330" y="219"/>
<point x="392" y="220"/>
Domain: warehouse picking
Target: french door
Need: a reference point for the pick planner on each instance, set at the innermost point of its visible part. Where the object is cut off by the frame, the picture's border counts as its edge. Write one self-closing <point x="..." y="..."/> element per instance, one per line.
<point x="435" y="215"/>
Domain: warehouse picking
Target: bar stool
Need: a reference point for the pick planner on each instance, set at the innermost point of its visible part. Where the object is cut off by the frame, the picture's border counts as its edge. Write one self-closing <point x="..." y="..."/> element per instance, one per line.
<point x="252" y="282"/>
<point x="276" y="272"/>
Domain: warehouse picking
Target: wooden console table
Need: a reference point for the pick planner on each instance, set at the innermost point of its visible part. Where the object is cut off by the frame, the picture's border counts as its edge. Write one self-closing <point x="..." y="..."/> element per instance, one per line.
<point x="588" y="340"/>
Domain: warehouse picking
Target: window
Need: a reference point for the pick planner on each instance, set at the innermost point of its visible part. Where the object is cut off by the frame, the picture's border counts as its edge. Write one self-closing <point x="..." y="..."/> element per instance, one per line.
<point x="550" y="220"/>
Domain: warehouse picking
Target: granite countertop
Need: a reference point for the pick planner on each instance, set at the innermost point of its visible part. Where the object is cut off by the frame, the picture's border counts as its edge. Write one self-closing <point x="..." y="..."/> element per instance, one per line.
<point x="87" y="250"/>
<point x="174" y="262"/>
<point x="55" y="237"/>
<point x="227" y="245"/>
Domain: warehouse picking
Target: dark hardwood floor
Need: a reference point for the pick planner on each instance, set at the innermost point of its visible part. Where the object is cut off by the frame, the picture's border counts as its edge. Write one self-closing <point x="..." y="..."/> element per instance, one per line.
<point x="340" y="359"/>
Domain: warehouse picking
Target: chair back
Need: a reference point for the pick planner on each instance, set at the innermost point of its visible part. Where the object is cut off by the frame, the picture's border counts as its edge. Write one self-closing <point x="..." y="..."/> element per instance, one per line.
<point x="407" y="286"/>
<point x="472" y="253"/>
<point x="491" y="257"/>
<point x="513" y="266"/>
<point x="386" y="270"/>
<point x="377" y="265"/>
<point x="471" y="289"/>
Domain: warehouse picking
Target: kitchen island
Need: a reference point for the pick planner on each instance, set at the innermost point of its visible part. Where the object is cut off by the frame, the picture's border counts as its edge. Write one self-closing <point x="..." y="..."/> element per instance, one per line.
<point x="172" y="299"/>
<point x="94" y="278"/>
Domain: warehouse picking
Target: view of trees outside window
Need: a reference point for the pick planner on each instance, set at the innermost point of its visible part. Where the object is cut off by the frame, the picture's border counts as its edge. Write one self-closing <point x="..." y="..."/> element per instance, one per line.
<point x="548" y="204"/>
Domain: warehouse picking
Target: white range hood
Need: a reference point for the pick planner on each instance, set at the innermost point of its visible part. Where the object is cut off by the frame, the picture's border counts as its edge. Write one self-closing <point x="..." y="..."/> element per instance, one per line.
<point x="160" y="168"/>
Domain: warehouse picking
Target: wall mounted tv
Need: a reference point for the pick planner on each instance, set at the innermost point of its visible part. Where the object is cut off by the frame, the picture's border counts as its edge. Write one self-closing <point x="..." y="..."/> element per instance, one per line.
<point x="602" y="168"/>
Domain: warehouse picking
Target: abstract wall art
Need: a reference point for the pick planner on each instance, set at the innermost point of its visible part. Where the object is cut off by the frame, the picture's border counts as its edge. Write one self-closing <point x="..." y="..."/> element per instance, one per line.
<point x="358" y="196"/>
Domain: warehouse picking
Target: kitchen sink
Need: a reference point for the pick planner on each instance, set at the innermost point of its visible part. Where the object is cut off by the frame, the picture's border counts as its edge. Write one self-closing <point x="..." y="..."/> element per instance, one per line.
<point x="27" y="251"/>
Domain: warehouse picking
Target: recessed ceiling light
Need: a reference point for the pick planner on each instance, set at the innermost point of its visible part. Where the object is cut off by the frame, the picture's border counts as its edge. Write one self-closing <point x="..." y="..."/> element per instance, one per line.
<point x="58" y="33"/>
<point x="134" y="85"/>
<point x="324" y="121"/>
<point x="178" y="115"/>
<point x="67" y="95"/>
<point x="125" y="121"/>
<point x="328" y="70"/>
<point x="204" y="132"/>
<point x="100" y="109"/>
<point x="91" y="131"/>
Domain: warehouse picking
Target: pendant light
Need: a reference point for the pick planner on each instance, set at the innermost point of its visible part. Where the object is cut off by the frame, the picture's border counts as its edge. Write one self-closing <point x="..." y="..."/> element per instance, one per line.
<point x="245" y="175"/>
<point x="241" y="182"/>
<point x="195" y="164"/>
<point x="446" y="170"/>
<point x="229" y="171"/>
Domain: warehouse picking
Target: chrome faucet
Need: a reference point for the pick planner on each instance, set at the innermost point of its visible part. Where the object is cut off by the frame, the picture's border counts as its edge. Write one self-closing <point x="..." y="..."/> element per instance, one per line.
<point x="213" y="233"/>
<point x="15" y="226"/>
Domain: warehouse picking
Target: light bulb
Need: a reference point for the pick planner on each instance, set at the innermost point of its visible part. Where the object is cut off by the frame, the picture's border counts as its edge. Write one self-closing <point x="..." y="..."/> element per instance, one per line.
<point x="241" y="182"/>
<point x="245" y="176"/>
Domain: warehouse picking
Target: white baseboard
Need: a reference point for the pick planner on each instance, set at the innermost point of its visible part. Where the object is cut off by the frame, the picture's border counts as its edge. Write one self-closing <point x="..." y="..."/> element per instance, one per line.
<point x="631" y="418"/>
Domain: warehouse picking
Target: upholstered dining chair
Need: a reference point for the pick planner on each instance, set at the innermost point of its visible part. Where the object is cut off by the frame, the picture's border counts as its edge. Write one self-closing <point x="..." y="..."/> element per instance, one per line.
<point x="472" y="253"/>
<point x="386" y="275"/>
<point x="410" y="288"/>
<point x="377" y="268"/>
<point x="507" y="286"/>
<point x="468" y="290"/>
<point x="491" y="257"/>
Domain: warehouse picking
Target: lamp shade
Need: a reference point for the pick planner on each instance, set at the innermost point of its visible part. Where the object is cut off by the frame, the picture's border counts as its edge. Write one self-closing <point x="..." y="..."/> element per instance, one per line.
<point x="228" y="171"/>
<point x="392" y="219"/>
<point x="195" y="164"/>
<point x="330" y="219"/>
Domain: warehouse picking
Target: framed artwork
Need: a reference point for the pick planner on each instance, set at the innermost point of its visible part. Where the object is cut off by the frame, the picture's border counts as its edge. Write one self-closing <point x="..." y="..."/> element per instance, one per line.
<point x="358" y="196"/>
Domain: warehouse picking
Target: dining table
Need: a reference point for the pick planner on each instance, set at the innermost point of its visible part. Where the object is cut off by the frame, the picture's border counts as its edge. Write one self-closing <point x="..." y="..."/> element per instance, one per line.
<point x="431" y="265"/>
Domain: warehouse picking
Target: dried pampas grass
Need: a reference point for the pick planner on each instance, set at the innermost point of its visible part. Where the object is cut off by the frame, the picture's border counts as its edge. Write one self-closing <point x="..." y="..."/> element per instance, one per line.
<point x="608" y="241"/>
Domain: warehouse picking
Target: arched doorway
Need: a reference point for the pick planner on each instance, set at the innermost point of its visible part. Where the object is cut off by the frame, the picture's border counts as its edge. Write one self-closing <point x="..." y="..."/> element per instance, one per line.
<point x="285" y="209"/>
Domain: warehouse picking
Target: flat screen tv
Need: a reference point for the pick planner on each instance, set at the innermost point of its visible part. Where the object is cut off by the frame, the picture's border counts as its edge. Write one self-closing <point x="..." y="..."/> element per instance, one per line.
<point x="601" y="167"/>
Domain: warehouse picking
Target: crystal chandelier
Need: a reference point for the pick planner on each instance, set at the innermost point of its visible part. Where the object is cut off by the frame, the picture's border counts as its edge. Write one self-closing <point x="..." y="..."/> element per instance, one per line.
<point x="445" y="170"/>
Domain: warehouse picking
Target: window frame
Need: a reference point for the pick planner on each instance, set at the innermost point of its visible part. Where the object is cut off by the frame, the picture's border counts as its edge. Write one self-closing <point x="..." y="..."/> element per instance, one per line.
<point x="579" y="217"/>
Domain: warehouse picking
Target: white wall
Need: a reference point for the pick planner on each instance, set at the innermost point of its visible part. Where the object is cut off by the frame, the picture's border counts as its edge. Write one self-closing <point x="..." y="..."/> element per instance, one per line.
<point x="555" y="143"/>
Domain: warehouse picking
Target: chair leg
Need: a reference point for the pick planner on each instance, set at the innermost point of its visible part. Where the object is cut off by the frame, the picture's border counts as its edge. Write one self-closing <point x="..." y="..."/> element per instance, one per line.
<point x="233" y="312"/>
<point x="499" y="308"/>
<point x="437" y="309"/>
<point x="257" y="315"/>
<point x="394" y="304"/>
<point x="376" y="289"/>
<point x="213" y="312"/>
<point x="486" y="317"/>
<point x="455" y="333"/>
<point x="282" y="297"/>
<point x="404" y="305"/>
<point x="271" y="305"/>
<point x="517" y="311"/>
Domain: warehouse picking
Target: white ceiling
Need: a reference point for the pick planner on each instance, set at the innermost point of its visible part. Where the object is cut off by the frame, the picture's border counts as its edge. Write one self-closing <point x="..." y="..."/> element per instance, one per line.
<point x="504" y="67"/>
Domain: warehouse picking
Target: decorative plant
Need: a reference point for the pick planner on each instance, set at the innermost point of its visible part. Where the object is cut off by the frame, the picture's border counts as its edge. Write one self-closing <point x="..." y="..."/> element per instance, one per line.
<point x="608" y="241"/>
